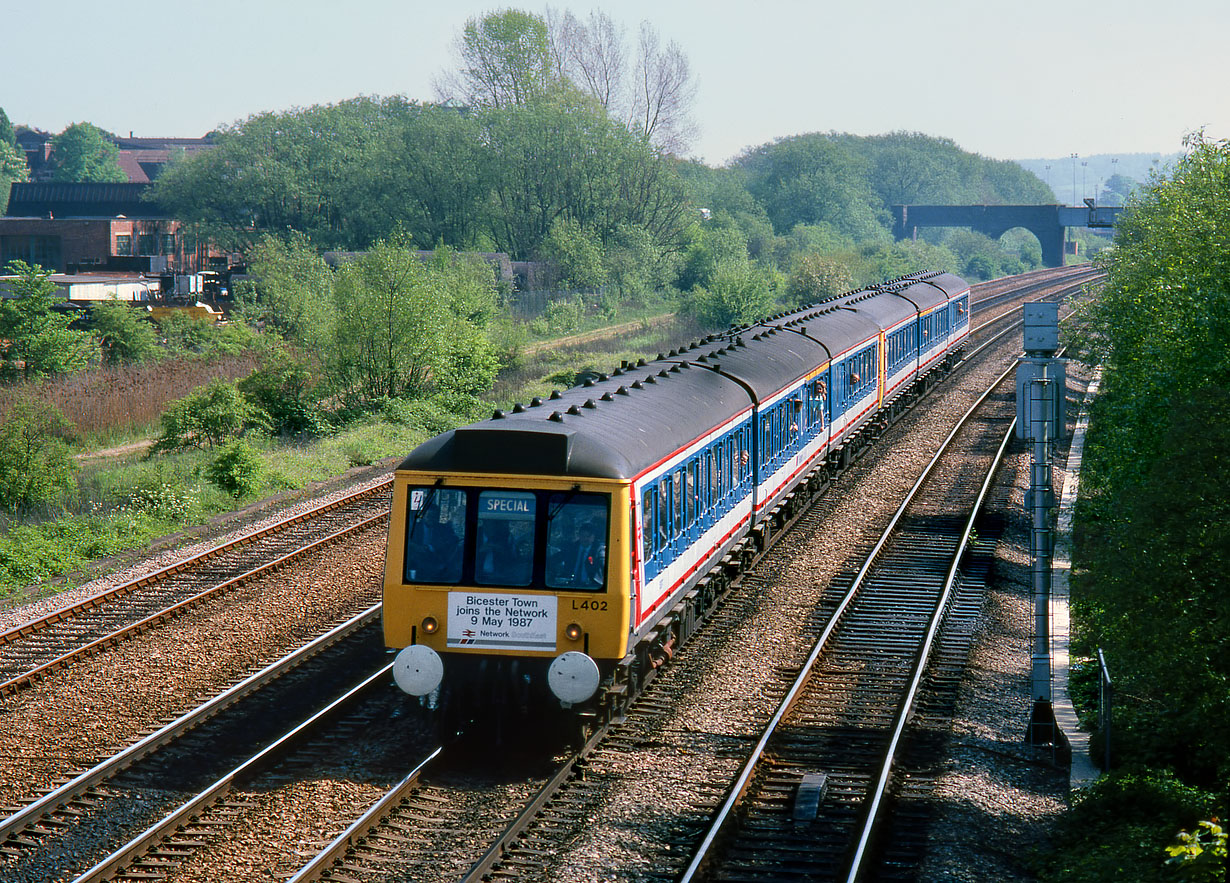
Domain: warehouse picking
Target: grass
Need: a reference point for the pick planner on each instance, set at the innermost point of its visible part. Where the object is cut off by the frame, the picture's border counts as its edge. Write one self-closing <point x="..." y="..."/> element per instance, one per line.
<point x="123" y="503"/>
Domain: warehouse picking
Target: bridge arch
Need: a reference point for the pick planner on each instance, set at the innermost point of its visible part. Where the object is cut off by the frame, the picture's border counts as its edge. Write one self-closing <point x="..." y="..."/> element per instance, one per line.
<point x="1048" y="222"/>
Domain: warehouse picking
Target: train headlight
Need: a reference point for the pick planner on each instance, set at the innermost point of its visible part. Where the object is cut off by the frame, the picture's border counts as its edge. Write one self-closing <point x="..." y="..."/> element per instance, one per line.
<point x="573" y="632"/>
<point x="430" y="625"/>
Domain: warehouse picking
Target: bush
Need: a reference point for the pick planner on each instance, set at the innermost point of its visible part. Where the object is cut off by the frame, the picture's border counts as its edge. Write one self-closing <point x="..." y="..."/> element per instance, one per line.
<point x="35" y="467"/>
<point x="206" y="418"/>
<point x="236" y="469"/>
<point x="285" y="390"/>
<point x="1119" y="828"/>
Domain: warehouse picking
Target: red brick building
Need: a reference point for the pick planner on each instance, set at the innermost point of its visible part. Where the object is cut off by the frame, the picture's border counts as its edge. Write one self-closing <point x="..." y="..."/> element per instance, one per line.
<point x="72" y="228"/>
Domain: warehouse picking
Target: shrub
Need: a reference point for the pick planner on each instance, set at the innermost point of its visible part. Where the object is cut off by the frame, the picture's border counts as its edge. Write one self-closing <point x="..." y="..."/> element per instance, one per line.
<point x="207" y="418"/>
<point x="35" y="467"/>
<point x="1118" y="828"/>
<point x="236" y="469"/>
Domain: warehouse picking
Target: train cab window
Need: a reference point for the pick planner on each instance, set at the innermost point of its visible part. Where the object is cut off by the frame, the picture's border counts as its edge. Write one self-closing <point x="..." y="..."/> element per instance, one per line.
<point x="577" y="530"/>
<point x="504" y="545"/>
<point x="435" y="524"/>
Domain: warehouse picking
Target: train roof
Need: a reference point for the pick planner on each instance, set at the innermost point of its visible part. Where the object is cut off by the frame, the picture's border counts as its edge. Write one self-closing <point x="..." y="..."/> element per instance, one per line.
<point x="836" y="328"/>
<point x="620" y="425"/>
<point x="614" y="427"/>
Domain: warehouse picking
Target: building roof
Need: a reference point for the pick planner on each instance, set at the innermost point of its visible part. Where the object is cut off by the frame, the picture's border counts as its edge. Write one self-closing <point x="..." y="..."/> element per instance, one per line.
<point x="78" y="200"/>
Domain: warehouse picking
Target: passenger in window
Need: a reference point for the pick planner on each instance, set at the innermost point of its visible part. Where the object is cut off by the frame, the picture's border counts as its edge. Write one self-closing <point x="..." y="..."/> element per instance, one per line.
<point x="498" y="558"/>
<point x="589" y="568"/>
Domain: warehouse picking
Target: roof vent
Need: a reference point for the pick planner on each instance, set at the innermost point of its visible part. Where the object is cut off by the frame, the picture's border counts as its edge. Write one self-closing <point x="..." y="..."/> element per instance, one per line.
<point x="518" y="408"/>
<point x="636" y="384"/>
<point x="623" y="391"/>
<point x="590" y="403"/>
<point x="556" y="416"/>
<point x="664" y="373"/>
<point x="607" y="397"/>
<point x="536" y="401"/>
<point x="640" y="363"/>
<point x="589" y="381"/>
<point x="497" y="415"/>
<point x="555" y="394"/>
<point x="574" y="410"/>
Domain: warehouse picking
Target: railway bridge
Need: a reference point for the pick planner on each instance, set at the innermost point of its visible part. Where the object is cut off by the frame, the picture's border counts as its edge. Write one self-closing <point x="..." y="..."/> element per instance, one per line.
<point x="1048" y="222"/>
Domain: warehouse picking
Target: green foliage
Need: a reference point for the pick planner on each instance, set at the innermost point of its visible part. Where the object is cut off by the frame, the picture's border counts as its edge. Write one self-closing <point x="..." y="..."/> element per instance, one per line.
<point x="1118" y="828"/>
<point x="40" y="341"/>
<point x="577" y="255"/>
<point x="1152" y="539"/>
<point x="406" y="328"/>
<point x="285" y="389"/>
<point x="1200" y="855"/>
<point x="505" y="59"/>
<point x="185" y="334"/>
<point x="739" y="293"/>
<point x="35" y="466"/>
<point x="813" y="179"/>
<point x="236" y="468"/>
<point x="8" y="135"/>
<point x="875" y="263"/>
<point x="816" y="278"/>
<point x="207" y="418"/>
<point x="12" y="168"/>
<point x="293" y="293"/>
<point x="123" y="332"/>
<point x="84" y="152"/>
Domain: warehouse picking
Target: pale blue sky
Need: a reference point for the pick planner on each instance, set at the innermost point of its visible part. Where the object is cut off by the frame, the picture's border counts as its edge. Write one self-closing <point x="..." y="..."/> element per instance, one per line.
<point x="1009" y="80"/>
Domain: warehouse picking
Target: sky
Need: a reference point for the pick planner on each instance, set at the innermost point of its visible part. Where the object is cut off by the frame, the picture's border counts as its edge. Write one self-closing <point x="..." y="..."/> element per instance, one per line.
<point x="1020" y="80"/>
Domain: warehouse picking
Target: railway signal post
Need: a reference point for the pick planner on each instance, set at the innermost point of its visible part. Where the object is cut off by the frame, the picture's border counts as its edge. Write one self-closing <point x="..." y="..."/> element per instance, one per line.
<point x="1041" y="395"/>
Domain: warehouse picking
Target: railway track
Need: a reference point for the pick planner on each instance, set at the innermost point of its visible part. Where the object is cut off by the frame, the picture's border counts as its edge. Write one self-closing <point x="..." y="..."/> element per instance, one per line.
<point x="60" y="638"/>
<point x="810" y="796"/>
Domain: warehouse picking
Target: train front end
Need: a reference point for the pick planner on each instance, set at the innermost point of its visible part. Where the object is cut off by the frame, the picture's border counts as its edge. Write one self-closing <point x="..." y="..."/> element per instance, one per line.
<point x="506" y="588"/>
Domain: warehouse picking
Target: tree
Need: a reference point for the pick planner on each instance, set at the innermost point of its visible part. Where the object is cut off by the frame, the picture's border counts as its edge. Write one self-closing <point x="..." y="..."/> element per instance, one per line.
<point x="1151" y="549"/>
<point x="576" y="254"/>
<point x="652" y="97"/>
<point x="8" y="135"/>
<point x="84" y="152"/>
<point x="314" y="170"/>
<point x="12" y="168"/>
<point x="293" y="291"/>
<point x="738" y="294"/>
<point x="405" y="328"/>
<point x="505" y="60"/>
<point x="816" y="278"/>
<point x="123" y="332"/>
<point x="663" y="94"/>
<point x="813" y="179"/>
<point x="40" y="340"/>
<point x="35" y="466"/>
<point x="206" y="418"/>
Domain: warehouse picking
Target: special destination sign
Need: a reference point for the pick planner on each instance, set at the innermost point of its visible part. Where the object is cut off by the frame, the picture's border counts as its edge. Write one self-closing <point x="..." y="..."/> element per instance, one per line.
<point x="501" y="621"/>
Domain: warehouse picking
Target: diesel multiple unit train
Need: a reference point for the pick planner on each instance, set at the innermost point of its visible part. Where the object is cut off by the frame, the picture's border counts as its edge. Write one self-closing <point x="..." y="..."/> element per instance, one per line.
<point x="532" y="552"/>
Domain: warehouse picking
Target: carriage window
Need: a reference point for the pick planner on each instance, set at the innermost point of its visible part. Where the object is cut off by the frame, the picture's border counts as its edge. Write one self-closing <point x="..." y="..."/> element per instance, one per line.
<point x="504" y="550"/>
<point x="435" y="525"/>
<point x="664" y="492"/>
<point x="647" y="524"/>
<point x="577" y="529"/>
